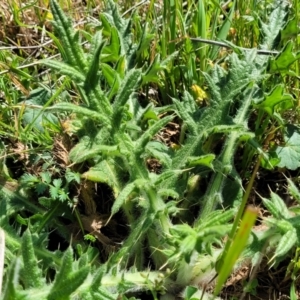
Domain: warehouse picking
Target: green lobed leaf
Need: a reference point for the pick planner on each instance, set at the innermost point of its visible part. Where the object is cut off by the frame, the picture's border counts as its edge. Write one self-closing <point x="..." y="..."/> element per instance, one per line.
<point x="203" y="160"/>
<point x="283" y="61"/>
<point x="272" y="99"/>
<point x="107" y="172"/>
<point x="291" y="29"/>
<point x="110" y="74"/>
<point x="289" y="153"/>
<point x="152" y="73"/>
<point x="111" y="52"/>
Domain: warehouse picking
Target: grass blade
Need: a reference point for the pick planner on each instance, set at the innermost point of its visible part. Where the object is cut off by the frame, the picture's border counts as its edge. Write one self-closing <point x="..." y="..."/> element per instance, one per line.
<point x="237" y="246"/>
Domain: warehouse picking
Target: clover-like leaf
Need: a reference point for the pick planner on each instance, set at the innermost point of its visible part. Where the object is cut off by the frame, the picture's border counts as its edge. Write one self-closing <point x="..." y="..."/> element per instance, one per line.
<point x="289" y="154"/>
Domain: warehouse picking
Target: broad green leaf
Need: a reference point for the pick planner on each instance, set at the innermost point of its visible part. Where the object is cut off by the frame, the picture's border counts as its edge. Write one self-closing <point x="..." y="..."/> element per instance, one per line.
<point x="272" y="99"/>
<point x="189" y="292"/>
<point x="111" y="52"/>
<point x="152" y="73"/>
<point x="289" y="154"/>
<point x="290" y="30"/>
<point x="203" y="160"/>
<point x="270" y="160"/>
<point x="283" y="61"/>
<point x="34" y="112"/>
<point x="110" y="74"/>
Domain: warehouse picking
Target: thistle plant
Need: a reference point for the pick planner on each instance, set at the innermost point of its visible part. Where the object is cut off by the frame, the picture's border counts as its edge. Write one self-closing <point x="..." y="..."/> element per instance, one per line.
<point x="166" y="249"/>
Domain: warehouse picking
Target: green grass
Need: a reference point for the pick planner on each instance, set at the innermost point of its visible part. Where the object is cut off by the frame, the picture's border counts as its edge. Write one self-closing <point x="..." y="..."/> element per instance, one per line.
<point x="133" y="138"/>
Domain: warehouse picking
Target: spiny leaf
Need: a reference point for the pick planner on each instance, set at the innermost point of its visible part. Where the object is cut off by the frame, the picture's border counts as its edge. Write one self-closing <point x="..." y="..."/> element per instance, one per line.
<point x="288" y="240"/>
<point x="81" y="111"/>
<point x="74" y="52"/>
<point x="92" y="77"/>
<point x="81" y="153"/>
<point x="107" y="172"/>
<point x="276" y="23"/>
<point x="125" y="193"/>
<point x="65" y="269"/>
<point x="65" y="69"/>
<point x="159" y="151"/>
<point x="10" y="290"/>
<point x="150" y="132"/>
<point x="293" y="190"/>
<point x="32" y="274"/>
<point x="271" y="207"/>
<point x="216" y="217"/>
<point x="129" y="84"/>
<point x="68" y="285"/>
<point x="280" y="206"/>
